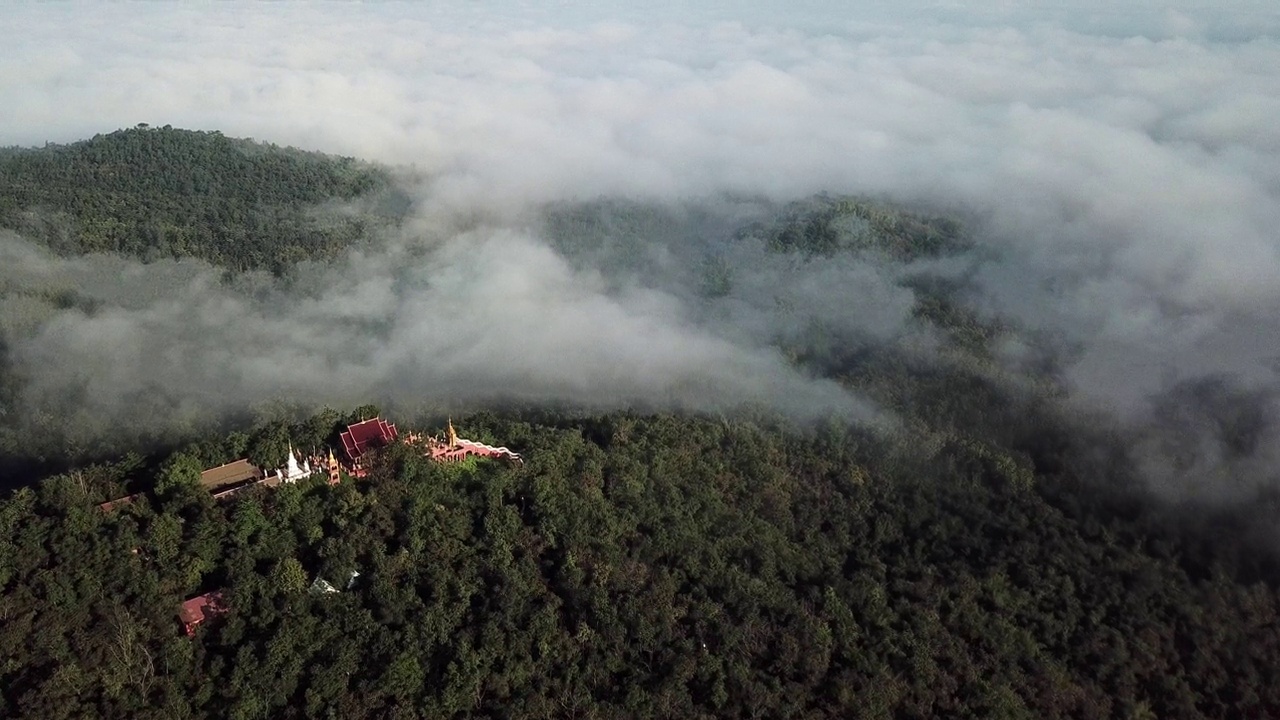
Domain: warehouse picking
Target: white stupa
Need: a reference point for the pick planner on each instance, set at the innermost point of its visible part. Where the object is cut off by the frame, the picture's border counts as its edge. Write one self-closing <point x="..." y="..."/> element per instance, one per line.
<point x="293" y="471"/>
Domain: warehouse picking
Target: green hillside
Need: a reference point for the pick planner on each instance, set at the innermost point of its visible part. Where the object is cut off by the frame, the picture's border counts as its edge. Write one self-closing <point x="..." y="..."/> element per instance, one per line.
<point x="161" y="192"/>
<point x="636" y="566"/>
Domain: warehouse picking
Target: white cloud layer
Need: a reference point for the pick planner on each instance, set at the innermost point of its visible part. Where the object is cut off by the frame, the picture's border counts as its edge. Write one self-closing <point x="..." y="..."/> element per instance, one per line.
<point x="1128" y="160"/>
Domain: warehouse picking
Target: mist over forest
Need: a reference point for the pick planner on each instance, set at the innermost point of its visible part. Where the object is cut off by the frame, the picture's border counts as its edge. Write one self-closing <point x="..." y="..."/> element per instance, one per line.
<point x="601" y="216"/>
<point x="836" y="322"/>
<point x="349" y="289"/>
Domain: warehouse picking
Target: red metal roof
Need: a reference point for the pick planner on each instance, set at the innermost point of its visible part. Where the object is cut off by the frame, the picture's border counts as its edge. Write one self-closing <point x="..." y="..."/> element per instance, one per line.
<point x="196" y="610"/>
<point x="363" y="436"/>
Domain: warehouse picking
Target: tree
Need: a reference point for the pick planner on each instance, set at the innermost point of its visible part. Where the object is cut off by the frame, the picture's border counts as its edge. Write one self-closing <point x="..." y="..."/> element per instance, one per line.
<point x="288" y="577"/>
<point x="269" y="447"/>
<point x="179" y="475"/>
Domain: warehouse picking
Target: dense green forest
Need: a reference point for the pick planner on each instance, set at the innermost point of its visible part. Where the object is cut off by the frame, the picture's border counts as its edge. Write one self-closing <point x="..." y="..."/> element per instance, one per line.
<point x="162" y="192"/>
<point x="636" y="566"/>
<point x="988" y="554"/>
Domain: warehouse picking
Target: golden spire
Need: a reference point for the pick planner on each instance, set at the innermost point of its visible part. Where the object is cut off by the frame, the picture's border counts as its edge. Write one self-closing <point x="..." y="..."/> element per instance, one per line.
<point x="453" y="436"/>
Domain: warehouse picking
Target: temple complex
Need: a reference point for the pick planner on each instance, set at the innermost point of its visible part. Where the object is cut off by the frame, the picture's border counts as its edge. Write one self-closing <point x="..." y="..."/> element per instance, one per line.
<point x="358" y="441"/>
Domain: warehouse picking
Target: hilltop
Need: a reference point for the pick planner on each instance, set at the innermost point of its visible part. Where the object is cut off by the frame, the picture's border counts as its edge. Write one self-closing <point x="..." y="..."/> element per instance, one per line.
<point x="634" y="566"/>
<point x="163" y="192"/>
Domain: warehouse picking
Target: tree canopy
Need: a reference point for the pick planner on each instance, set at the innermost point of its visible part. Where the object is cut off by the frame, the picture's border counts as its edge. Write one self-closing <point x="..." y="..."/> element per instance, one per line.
<point x="635" y="566"/>
<point x="163" y="192"/>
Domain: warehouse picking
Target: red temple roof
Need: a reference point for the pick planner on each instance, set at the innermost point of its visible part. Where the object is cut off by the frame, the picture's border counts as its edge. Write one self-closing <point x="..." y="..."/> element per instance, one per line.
<point x="364" y="436"/>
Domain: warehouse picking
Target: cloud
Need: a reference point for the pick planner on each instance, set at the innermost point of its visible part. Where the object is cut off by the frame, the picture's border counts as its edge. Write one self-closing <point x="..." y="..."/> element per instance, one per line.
<point x="487" y="315"/>
<point x="1125" y="162"/>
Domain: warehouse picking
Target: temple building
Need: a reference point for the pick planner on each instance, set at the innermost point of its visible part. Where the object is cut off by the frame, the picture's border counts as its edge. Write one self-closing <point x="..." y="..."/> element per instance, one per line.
<point x="226" y="480"/>
<point x="359" y="439"/>
<point x="331" y="467"/>
<point x="452" y="448"/>
<point x="292" y="471"/>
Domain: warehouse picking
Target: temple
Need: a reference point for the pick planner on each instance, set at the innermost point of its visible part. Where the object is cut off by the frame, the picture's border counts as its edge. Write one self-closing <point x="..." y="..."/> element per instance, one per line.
<point x="358" y="442"/>
<point x="452" y="448"/>
<point x="333" y="469"/>
<point x="359" y="439"/>
<point x="226" y="480"/>
<point x="292" y="471"/>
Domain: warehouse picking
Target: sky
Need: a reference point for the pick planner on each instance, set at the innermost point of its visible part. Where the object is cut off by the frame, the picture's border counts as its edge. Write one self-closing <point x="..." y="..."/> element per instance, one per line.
<point x="1125" y="162"/>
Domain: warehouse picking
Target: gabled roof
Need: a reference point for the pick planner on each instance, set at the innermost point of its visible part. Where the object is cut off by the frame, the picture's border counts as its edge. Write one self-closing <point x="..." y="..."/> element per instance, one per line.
<point x="322" y="586"/>
<point x="110" y="505"/>
<point x="232" y="473"/>
<point x="363" y="436"/>
<point x="197" y="609"/>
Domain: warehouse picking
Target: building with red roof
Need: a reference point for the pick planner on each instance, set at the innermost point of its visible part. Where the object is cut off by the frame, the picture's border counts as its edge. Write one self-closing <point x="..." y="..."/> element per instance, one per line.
<point x="368" y="435"/>
<point x="451" y="448"/>
<point x="200" y="608"/>
<point x="359" y="439"/>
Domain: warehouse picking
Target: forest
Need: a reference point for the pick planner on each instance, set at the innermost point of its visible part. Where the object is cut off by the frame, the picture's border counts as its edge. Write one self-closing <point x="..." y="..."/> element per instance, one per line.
<point x="635" y="566"/>
<point x="993" y="554"/>
<point x="163" y="192"/>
